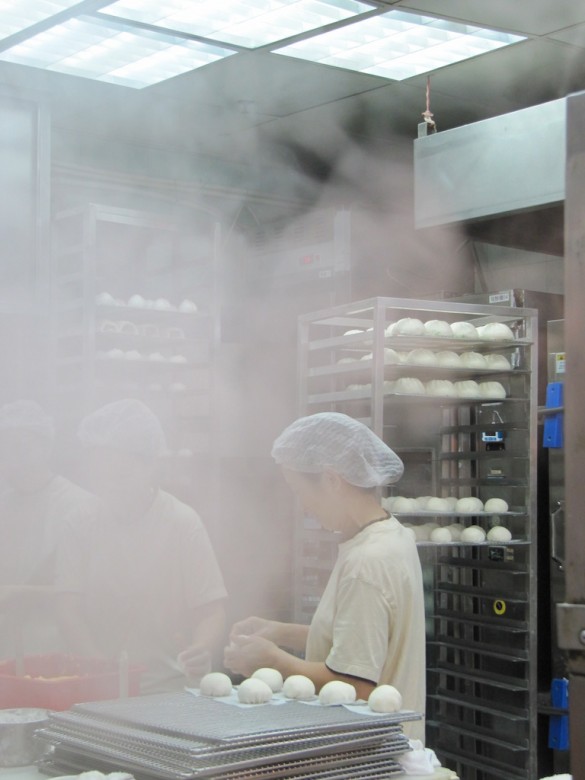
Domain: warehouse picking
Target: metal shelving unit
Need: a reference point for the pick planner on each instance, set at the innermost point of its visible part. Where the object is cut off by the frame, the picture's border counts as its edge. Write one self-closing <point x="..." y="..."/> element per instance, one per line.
<point x="480" y="597"/>
<point x="130" y="343"/>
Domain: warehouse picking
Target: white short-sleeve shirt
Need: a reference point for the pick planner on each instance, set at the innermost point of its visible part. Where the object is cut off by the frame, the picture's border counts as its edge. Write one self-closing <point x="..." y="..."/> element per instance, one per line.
<point x="140" y="583"/>
<point x="370" y="622"/>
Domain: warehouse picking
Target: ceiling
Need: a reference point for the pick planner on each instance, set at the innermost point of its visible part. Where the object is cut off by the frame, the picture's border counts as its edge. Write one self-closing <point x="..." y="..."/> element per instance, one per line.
<point x="249" y="105"/>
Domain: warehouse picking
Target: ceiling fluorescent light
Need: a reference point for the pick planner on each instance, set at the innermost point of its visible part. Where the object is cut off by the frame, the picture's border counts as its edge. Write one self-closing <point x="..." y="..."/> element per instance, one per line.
<point x="112" y="53"/>
<point x="246" y="23"/>
<point x="18" y="15"/>
<point x="398" y="45"/>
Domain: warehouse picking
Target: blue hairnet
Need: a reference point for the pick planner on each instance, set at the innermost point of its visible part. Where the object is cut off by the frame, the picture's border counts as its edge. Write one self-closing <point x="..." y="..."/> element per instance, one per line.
<point x="26" y="416"/>
<point x="337" y="442"/>
<point x="127" y="425"/>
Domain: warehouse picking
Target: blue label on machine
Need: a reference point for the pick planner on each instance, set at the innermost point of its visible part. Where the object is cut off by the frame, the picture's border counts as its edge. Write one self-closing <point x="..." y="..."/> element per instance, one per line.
<point x="553" y="423"/>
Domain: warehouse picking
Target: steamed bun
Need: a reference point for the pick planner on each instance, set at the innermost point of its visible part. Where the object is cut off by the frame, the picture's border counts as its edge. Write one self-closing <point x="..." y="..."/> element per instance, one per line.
<point x="297" y="686"/>
<point x="464" y="330"/>
<point x="438" y="328"/>
<point x="421" y="357"/>
<point x="385" y="698"/>
<point x="409" y="385"/>
<point x="215" y="684"/>
<point x="272" y="677"/>
<point x="337" y="692"/>
<point x="253" y="691"/>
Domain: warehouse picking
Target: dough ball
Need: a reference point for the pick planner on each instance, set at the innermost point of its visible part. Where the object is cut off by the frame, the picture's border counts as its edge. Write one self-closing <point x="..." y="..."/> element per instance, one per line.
<point x="105" y="299"/>
<point x="441" y="387"/>
<point x="408" y="326"/>
<point x="107" y="326"/>
<point x="215" y="684"/>
<point x="421" y="502"/>
<point x="133" y="354"/>
<point x="137" y="302"/>
<point x="464" y="330"/>
<point x="116" y="354"/>
<point x="178" y="359"/>
<point x="409" y="385"/>
<point x="297" y="686"/>
<point x="492" y="390"/>
<point x="438" y="328"/>
<point x="499" y="534"/>
<point x="161" y="304"/>
<point x="337" y="692"/>
<point x="456" y="529"/>
<point x="473" y="360"/>
<point x="272" y="678"/>
<point x="157" y="357"/>
<point x="496" y="505"/>
<point x="474" y="534"/>
<point x="437" y="505"/>
<point x="498" y="362"/>
<point x="421" y="357"/>
<point x="402" y="504"/>
<point x="441" y="535"/>
<point x="391" y="356"/>
<point x="448" y="359"/>
<point x="469" y="505"/>
<point x="352" y="332"/>
<point x="495" y="331"/>
<point x="343" y="360"/>
<point x="467" y="389"/>
<point x="385" y="698"/>
<point x="367" y="356"/>
<point x="422" y="533"/>
<point x="452" y="502"/>
<point x="188" y="307"/>
<point x="253" y="691"/>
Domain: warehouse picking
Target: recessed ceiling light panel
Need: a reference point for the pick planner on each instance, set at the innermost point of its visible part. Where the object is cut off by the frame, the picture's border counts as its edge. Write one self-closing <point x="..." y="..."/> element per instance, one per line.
<point x="18" y="15"/>
<point x="398" y="45"/>
<point x="246" y="23"/>
<point x="112" y="53"/>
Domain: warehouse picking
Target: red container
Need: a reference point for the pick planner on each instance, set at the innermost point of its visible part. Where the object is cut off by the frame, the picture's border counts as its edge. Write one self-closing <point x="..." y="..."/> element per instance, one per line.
<point x="56" y="682"/>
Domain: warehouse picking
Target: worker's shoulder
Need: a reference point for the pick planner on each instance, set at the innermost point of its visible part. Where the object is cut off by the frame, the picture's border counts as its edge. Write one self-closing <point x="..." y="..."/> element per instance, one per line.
<point x="71" y="498"/>
<point x="173" y="510"/>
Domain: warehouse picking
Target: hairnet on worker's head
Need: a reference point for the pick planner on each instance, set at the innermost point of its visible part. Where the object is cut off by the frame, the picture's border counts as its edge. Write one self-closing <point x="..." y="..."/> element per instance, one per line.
<point x="26" y="416"/>
<point x="336" y="442"/>
<point x="127" y="425"/>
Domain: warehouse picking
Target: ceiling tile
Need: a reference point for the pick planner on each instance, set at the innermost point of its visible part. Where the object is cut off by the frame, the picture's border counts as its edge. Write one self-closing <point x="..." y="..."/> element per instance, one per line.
<point x="573" y="35"/>
<point x="531" y="17"/>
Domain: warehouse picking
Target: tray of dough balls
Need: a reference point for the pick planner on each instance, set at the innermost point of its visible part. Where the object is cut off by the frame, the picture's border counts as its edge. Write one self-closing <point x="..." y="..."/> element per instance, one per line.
<point x="184" y="735"/>
<point x="495" y="512"/>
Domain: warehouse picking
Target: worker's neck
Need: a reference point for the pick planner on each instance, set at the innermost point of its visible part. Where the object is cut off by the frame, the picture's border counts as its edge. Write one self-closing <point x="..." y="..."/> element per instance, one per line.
<point x="361" y="510"/>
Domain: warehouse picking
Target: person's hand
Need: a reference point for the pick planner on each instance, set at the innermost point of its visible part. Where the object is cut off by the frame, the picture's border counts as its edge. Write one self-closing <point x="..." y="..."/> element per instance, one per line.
<point x="246" y="654"/>
<point x="194" y="662"/>
<point x="254" y="626"/>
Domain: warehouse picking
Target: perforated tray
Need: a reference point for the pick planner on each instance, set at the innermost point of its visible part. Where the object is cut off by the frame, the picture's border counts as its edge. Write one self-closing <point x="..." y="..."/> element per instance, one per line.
<point x="207" y="720"/>
<point x="178" y="736"/>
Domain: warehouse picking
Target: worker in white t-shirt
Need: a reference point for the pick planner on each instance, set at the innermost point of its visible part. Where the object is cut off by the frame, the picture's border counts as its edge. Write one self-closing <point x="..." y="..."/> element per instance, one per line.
<point x="143" y="580"/>
<point x="37" y="507"/>
<point x="369" y="627"/>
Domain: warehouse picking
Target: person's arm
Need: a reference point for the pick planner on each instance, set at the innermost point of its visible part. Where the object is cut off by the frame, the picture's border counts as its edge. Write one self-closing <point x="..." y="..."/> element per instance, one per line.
<point x="290" y="635"/>
<point x="209" y="627"/>
<point x="251" y="653"/>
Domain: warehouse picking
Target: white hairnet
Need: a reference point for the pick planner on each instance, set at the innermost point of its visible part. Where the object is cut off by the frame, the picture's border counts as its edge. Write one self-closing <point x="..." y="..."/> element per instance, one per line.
<point x="337" y="442"/>
<point x="26" y="416"/>
<point x="127" y="425"/>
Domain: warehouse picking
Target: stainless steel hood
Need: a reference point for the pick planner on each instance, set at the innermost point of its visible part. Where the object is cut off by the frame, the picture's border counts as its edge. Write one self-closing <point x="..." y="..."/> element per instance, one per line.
<point x="498" y="166"/>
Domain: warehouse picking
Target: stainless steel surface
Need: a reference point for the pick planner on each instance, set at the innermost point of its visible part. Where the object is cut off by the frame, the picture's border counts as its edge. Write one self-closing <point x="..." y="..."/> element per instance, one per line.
<point x="502" y="164"/>
<point x="571" y="626"/>
<point x="17" y="744"/>
<point x="575" y="420"/>
<point x="481" y="599"/>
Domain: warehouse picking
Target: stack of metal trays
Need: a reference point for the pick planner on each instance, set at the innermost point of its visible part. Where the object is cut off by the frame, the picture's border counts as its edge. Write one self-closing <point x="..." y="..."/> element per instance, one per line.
<point x="179" y="736"/>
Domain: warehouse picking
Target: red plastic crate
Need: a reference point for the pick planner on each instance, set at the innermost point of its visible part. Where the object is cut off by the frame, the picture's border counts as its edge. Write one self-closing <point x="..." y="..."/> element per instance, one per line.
<point x="56" y="682"/>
